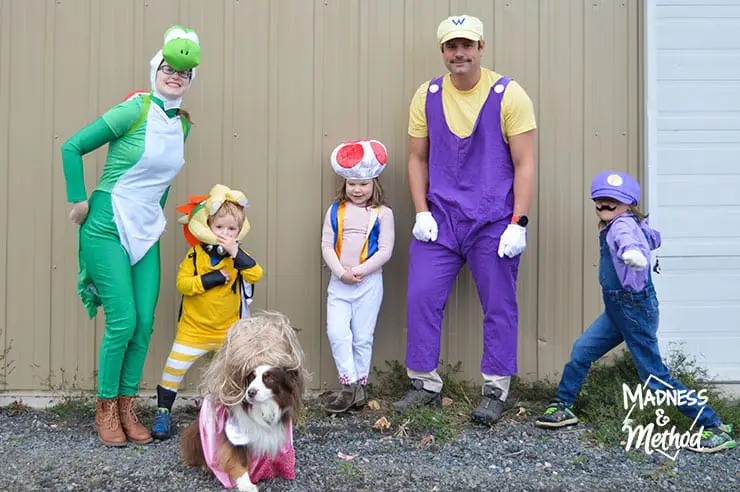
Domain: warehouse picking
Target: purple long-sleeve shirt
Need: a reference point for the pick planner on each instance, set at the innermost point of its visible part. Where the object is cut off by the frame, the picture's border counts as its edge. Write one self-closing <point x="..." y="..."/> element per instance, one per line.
<point x="624" y="234"/>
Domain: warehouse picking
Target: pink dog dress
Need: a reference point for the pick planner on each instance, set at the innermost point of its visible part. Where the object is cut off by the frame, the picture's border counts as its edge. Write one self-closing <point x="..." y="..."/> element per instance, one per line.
<point x="215" y="422"/>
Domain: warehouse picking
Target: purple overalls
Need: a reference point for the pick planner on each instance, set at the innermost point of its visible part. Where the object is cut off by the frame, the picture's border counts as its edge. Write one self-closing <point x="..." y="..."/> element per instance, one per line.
<point x="471" y="196"/>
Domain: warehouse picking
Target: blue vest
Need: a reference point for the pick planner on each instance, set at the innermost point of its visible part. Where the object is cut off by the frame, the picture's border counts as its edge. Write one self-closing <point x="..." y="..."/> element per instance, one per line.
<point x="371" y="237"/>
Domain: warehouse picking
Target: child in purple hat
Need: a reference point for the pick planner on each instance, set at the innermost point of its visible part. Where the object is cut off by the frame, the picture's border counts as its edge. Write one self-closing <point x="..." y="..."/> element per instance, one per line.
<point x="631" y="311"/>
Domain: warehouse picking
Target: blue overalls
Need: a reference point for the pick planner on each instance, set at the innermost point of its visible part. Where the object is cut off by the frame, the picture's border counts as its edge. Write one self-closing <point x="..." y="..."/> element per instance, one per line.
<point x="631" y="317"/>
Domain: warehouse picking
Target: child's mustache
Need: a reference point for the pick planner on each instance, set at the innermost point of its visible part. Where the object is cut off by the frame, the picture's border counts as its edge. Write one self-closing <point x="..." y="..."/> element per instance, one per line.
<point x="610" y="208"/>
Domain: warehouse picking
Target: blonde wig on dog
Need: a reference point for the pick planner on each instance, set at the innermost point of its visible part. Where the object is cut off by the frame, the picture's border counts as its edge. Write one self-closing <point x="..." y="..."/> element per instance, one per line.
<point x="264" y="338"/>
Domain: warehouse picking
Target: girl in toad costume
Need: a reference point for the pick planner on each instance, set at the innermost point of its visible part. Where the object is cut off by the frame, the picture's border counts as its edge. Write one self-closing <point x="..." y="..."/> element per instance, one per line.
<point x="357" y="240"/>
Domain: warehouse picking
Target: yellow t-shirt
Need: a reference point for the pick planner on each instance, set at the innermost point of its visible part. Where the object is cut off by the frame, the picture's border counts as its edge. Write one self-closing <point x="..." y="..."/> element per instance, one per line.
<point x="461" y="108"/>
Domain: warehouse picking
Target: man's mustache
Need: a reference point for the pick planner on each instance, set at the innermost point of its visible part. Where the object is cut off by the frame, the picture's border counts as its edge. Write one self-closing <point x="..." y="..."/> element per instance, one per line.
<point x="610" y="208"/>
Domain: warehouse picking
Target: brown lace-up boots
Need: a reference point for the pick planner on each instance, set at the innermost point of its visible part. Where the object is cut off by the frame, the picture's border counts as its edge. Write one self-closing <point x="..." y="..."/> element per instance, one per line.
<point x="108" y="422"/>
<point x="133" y="429"/>
<point x="116" y="422"/>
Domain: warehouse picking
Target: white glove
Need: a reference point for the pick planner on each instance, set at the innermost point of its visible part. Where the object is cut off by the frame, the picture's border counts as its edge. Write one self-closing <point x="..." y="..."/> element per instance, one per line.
<point x="635" y="259"/>
<point x="425" y="228"/>
<point x="513" y="241"/>
<point x="78" y="214"/>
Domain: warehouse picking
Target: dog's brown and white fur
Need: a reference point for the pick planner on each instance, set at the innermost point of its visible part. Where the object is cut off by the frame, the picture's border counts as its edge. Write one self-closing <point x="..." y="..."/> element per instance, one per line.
<point x="270" y="399"/>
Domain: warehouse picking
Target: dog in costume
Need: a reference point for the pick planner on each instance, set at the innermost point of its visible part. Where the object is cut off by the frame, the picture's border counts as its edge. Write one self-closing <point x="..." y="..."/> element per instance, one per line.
<point x="216" y="280"/>
<point x="253" y="391"/>
<point x="122" y="220"/>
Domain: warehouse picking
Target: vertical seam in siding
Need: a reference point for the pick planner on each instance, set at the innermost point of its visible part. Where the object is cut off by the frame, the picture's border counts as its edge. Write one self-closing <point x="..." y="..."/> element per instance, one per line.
<point x="5" y="13"/>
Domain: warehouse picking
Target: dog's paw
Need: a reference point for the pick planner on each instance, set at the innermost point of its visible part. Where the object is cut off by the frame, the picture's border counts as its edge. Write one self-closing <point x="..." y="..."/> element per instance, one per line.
<point x="244" y="484"/>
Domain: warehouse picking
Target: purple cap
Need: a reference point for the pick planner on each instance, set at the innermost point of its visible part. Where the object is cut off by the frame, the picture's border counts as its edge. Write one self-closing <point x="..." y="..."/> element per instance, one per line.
<point x="613" y="184"/>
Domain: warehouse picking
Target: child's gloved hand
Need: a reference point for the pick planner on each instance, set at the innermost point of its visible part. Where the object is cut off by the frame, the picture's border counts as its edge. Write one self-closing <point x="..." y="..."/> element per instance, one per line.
<point x="79" y="212"/>
<point x="634" y="259"/>
<point x="425" y="227"/>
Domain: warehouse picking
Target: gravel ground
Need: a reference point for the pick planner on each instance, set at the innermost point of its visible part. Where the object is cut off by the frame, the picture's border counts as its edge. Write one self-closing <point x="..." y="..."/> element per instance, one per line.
<point x="43" y="451"/>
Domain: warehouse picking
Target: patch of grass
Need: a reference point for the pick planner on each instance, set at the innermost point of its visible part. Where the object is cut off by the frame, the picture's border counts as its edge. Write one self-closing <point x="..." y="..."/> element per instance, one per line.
<point x="651" y="474"/>
<point x="15" y="408"/>
<point x="578" y="460"/>
<point x="600" y="401"/>
<point x="6" y="365"/>
<point x="538" y="393"/>
<point x="135" y="451"/>
<point x="392" y="381"/>
<point x="637" y="457"/>
<point x="77" y="407"/>
<point x="310" y="412"/>
<point x="350" y="471"/>
<point x="663" y="470"/>
<point x="443" y="424"/>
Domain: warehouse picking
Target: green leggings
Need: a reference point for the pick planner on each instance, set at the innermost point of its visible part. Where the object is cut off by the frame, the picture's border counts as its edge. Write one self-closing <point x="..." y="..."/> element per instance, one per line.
<point x="128" y="295"/>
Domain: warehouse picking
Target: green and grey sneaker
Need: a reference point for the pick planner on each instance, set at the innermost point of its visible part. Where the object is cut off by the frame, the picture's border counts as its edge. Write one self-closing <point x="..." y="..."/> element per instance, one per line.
<point x="715" y="439"/>
<point x="557" y="415"/>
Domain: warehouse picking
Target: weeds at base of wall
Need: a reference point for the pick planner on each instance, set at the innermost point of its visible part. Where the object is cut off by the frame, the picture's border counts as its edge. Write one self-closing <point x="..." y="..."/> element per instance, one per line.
<point x="6" y="365"/>
<point x="73" y="403"/>
<point x="599" y="404"/>
<point x="74" y="407"/>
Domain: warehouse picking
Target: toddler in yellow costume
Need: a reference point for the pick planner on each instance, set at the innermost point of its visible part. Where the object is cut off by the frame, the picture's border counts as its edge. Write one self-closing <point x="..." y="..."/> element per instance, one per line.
<point x="216" y="279"/>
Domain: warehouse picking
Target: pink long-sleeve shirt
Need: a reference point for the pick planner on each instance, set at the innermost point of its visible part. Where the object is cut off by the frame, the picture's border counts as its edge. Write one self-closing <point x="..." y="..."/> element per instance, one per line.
<point x="213" y="421"/>
<point x="353" y="239"/>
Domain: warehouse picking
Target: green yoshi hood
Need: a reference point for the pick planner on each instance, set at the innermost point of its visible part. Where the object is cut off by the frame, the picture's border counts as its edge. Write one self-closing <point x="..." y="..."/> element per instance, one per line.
<point x="181" y="51"/>
<point x="181" y="48"/>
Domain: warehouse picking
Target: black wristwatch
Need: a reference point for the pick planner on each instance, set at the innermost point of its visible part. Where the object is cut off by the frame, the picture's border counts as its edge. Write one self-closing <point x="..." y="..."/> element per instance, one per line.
<point x="521" y="220"/>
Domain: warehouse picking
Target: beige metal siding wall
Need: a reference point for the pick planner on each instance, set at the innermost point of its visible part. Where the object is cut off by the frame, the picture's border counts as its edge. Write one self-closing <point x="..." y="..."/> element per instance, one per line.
<point x="280" y="85"/>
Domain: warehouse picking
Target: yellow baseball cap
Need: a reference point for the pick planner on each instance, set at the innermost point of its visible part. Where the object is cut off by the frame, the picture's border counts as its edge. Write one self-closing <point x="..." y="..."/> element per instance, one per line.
<point x="460" y="26"/>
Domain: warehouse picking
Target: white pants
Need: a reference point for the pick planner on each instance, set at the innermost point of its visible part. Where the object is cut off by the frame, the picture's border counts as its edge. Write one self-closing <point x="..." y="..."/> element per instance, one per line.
<point x="351" y="314"/>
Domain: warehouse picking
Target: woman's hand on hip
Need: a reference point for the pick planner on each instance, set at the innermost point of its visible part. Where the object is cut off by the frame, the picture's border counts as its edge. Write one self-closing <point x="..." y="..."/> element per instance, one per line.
<point x="79" y="212"/>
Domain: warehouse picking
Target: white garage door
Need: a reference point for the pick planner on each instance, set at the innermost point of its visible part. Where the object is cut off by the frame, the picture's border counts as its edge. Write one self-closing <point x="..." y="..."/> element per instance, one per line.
<point x="693" y="165"/>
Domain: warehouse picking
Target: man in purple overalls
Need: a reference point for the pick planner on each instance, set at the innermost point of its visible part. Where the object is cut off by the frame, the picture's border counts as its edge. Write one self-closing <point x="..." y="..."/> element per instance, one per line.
<point x="471" y="177"/>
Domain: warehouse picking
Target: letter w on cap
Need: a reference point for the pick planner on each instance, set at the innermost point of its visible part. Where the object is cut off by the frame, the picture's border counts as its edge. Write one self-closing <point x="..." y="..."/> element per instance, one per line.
<point x="458" y="22"/>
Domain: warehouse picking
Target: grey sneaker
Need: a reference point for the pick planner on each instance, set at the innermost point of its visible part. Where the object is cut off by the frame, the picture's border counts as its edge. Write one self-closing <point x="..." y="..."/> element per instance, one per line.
<point x="417" y="396"/>
<point x="491" y="406"/>
<point x="360" y="397"/>
<point x="343" y="400"/>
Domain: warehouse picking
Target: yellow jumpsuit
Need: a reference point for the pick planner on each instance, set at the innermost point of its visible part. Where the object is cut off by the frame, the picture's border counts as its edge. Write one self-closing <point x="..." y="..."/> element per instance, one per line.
<point x="209" y="307"/>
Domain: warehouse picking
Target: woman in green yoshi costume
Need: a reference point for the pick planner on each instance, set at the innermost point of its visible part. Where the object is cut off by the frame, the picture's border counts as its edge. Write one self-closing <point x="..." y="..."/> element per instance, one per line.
<point x="122" y="221"/>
